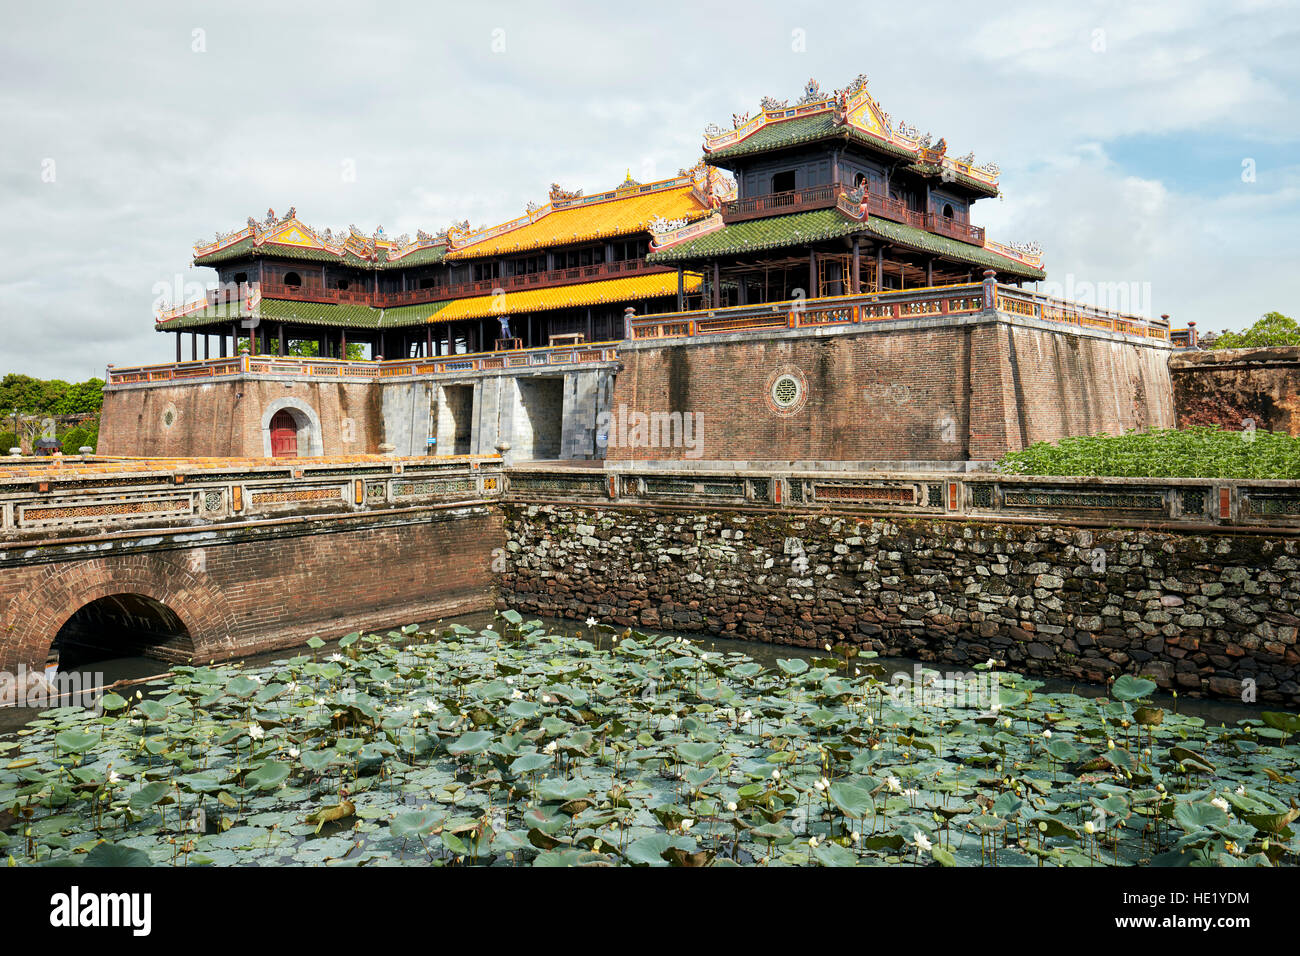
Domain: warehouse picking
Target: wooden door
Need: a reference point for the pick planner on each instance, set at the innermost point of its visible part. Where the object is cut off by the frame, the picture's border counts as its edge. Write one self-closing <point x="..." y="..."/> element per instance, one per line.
<point x="284" y="435"/>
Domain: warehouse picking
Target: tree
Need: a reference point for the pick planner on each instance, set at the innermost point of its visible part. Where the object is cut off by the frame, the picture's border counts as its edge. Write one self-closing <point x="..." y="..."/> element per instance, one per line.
<point x="34" y="396"/>
<point x="1273" y="329"/>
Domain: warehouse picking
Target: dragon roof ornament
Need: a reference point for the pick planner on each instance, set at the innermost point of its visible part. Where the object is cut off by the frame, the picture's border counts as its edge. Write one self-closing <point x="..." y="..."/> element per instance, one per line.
<point x="852" y="106"/>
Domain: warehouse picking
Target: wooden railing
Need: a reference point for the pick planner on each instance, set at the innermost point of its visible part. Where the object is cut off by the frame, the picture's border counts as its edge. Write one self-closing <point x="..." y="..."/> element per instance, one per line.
<point x="293" y="367"/>
<point x="360" y="295"/>
<point x="883" y="306"/>
<point x="780" y="203"/>
<point x="896" y="210"/>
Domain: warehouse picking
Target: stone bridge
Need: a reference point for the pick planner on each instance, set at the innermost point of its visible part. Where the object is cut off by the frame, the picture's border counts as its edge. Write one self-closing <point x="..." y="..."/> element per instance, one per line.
<point x="1195" y="582"/>
<point x="209" y="559"/>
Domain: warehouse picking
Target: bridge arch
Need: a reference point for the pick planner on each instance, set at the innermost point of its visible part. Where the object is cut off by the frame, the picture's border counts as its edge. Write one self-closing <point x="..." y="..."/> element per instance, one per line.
<point x="192" y="618"/>
<point x="310" y="440"/>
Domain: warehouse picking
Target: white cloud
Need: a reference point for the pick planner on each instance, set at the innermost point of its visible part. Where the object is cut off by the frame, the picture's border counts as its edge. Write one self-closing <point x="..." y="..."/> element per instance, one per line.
<point x="157" y="145"/>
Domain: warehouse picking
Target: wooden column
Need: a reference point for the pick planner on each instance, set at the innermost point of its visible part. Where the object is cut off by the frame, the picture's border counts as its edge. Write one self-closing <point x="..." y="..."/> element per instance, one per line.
<point x="284" y="345"/>
<point x="880" y="267"/>
<point x="194" y="346"/>
<point x="929" y="272"/>
<point x="681" y="289"/>
<point x="428" y="341"/>
<point x="902" y="275"/>
<point x="717" y="285"/>
<point x="207" y="344"/>
<point x="343" y="343"/>
<point x="812" y="273"/>
<point x="856" y="279"/>
<point x="178" y="347"/>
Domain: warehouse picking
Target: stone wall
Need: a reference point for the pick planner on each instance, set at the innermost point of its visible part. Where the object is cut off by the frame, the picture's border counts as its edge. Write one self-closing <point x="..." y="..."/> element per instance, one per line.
<point x="1226" y="387"/>
<point x="1204" y="614"/>
<point x="939" y="390"/>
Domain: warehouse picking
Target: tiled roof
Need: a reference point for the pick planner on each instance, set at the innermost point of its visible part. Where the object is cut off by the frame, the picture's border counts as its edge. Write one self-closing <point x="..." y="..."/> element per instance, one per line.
<point x="924" y="241"/>
<point x="804" y="129"/>
<point x="953" y="176"/>
<point x="772" y="232"/>
<point x="246" y="248"/>
<point x="628" y="290"/>
<point x="309" y="313"/>
<point x="802" y="228"/>
<point x="588" y="222"/>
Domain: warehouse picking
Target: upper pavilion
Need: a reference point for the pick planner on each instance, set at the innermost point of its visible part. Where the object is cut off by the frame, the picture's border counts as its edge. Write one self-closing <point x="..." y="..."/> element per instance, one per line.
<point x="833" y="198"/>
<point x="824" y="197"/>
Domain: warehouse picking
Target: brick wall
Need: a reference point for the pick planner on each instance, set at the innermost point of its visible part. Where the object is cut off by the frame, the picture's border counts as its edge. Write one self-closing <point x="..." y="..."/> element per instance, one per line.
<point x="1226" y="387"/>
<point x="220" y="419"/>
<point x="938" y="393"/>
<point x="260" y="589"/>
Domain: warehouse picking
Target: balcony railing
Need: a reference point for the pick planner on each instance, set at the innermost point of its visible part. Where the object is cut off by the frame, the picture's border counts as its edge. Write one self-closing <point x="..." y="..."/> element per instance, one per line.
<point x="291" y="366"/>
<point x="776" y="204"/>
<point x="918" y="303"/>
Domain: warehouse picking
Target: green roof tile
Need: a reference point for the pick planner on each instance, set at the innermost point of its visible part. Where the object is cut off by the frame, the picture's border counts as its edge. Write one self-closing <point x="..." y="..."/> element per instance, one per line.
<point x="804" y="129"/>
<point x="802" y="228"/>
<point x="310" y="313"/>
<point x="245" y="248"/>
<point x="951" y="248"/>
<point x="770" y="233"/>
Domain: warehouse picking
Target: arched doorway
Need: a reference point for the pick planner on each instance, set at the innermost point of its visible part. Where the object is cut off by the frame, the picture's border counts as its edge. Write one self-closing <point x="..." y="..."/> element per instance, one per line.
<point x="284" y="435"/>
<point x="121" y="625"/>
<point x="291" y="429"/>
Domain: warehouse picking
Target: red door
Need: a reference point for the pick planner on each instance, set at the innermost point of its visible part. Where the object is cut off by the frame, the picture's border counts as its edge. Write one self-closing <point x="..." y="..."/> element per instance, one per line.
<point x="284" y="435"/>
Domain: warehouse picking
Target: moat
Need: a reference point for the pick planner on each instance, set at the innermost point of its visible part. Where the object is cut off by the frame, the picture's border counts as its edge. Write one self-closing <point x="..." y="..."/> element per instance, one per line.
<point x="523" y="743"/>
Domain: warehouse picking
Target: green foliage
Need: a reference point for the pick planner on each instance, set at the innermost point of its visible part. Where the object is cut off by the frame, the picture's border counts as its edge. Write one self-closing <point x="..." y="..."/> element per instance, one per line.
<point x="8" y="439"/>
<point x="80" y="435"/>
<point x="306" y="348"/>
<point x="396" y="750"/>
<point x="50" y="396"/>
<point x="1198" y="452"/>
<point x="1273" y="329"/>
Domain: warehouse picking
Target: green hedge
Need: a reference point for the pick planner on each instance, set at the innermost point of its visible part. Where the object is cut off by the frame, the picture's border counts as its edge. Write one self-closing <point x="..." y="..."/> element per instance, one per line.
<point x="1199" y="452"/>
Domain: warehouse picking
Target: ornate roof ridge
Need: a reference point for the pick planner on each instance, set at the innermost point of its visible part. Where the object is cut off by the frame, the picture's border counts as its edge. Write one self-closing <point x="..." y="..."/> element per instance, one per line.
<point x="854" y="108"/>
<point x="699" y="177"/>
<point x="289" y="230"/>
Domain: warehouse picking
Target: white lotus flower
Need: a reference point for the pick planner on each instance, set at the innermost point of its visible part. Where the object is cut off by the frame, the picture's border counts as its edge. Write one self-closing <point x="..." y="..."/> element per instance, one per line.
<point x="592" y="622"/>
<point x="516" y="694"/>
<point x="1047" y="734"/>
<point x="294" y="752"/>
<point x="776" y="774"/>
<point x="1220" y="803"/>
<point x="731" y="807"/>
<point x="922" y="843"/>
<point x="892" y="783"/>
<point x="256" y="732"/>
<point x="1241" y="791"/>
<point x="812" y="842"/>
<point x="336" y="656"/>
<point x="687" y="824"/>
<point x="113" y="777"/>
<point x="1089" y="827"/>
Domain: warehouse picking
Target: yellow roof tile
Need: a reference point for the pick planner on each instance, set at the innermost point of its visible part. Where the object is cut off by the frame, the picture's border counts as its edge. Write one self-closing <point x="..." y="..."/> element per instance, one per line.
<point x="629" y="290"/>
<point x="587" y="222"/>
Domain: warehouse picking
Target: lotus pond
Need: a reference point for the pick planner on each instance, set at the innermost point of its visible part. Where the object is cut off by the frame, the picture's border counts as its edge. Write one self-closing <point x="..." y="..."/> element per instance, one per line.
<point x="513" y="745"/>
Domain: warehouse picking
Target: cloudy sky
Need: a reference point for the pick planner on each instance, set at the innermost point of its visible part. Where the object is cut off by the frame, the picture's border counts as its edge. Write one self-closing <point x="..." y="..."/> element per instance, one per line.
<point x="1149" y="147"/>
